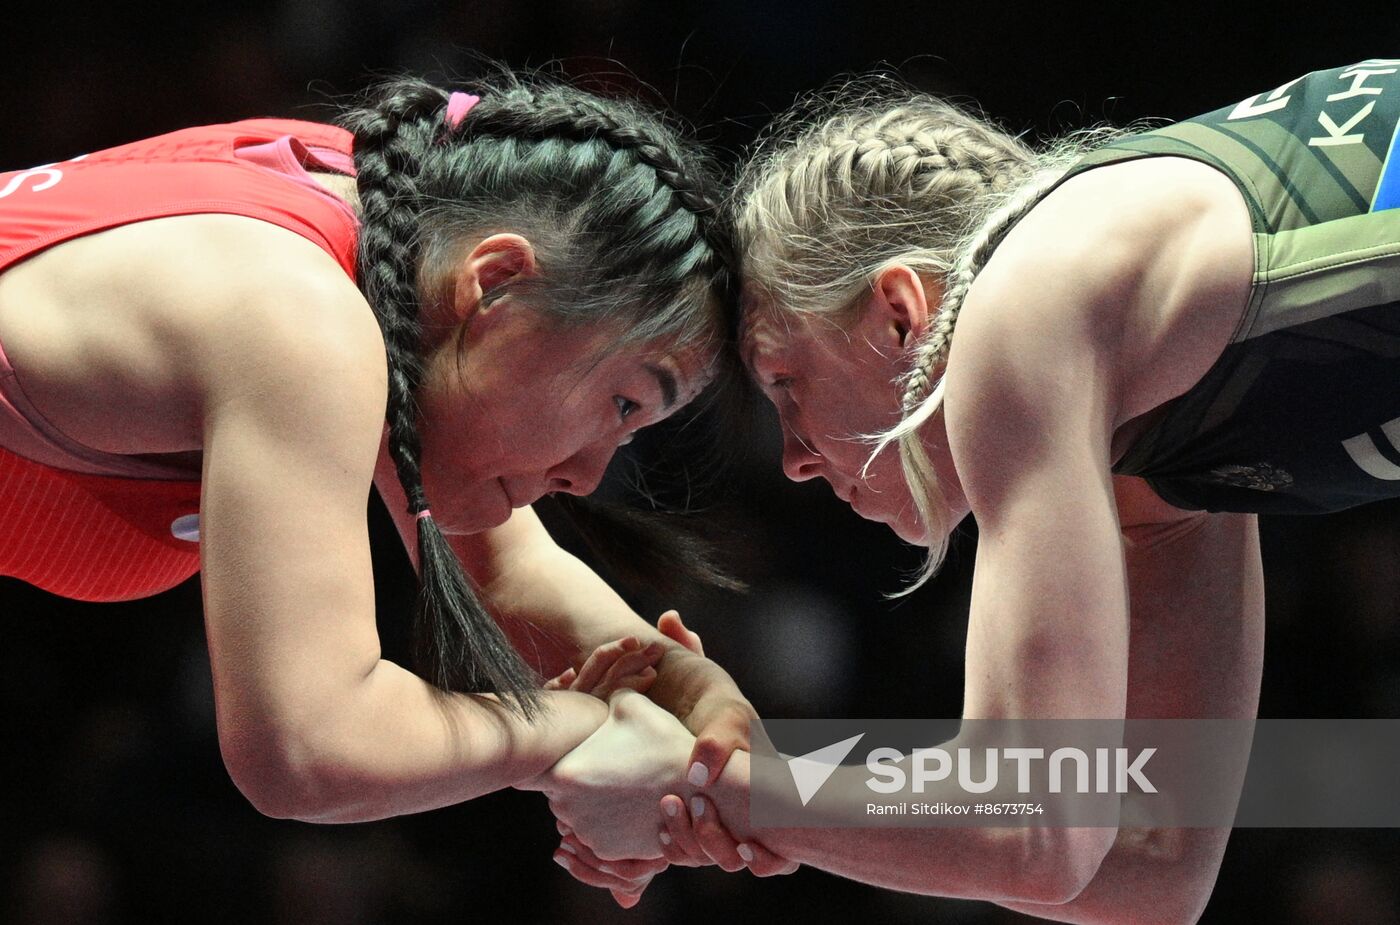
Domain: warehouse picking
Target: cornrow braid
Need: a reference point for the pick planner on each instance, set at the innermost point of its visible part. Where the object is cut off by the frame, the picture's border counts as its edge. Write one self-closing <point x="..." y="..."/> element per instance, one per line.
<point x="874" y="184"/>
<point x="863" y="180"/>
<point x="456" y="642"/>
<point x="897" y="156"/>
<point x="623" y="223"/>
<point x="585" y="119"/>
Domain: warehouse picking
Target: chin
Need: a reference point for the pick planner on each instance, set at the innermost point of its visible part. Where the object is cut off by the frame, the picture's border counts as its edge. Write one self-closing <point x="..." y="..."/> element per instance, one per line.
<point x="906" y="532"/>
<point x="460" y="523"/>
<point x="470" y="508"/>
<point x="912" y="533"/>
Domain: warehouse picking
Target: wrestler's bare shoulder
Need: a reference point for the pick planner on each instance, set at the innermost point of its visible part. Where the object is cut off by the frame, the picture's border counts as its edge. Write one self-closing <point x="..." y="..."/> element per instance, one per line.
<point x="1148" y="261"/>
<point x="118" y="336"/>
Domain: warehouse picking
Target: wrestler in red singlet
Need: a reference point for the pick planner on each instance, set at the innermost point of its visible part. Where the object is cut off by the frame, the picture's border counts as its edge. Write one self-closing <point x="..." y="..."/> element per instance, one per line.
<point x="92" y="525"/>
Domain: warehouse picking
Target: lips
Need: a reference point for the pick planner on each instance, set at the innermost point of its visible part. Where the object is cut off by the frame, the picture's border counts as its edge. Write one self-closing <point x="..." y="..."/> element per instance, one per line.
<point x="854" y="502"/>
<point x="844" y="494"/>
<point x="521" y="496"/>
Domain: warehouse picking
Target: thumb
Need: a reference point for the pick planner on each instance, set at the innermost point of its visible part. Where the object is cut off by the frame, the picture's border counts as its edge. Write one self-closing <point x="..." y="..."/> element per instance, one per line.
<point x="672" y="628"/>
<point x="713" y="746"/>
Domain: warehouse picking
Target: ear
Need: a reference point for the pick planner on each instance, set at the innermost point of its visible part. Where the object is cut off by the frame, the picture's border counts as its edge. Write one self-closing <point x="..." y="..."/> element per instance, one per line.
<point x="897" y="314"/>
<point x="493" y="262"/>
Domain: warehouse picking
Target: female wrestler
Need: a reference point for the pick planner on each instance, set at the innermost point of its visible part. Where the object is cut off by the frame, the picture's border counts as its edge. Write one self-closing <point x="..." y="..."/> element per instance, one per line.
<point x="1113" y="360"/>
<point x="192" y="380"/>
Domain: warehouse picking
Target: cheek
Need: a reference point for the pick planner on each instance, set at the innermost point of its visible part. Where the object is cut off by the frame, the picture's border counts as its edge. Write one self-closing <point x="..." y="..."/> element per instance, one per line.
<point x="449" y="437"/>
<point x="837" y="428"/>
<point x="886" y="479"/>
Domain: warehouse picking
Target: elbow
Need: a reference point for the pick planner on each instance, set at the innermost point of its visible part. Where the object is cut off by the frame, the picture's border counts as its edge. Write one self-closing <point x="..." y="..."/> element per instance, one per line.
<point x="1054" y="865"/>
<point x="287" y="777"/>
<point x="1163" y="876"/>
<point x="1173" y="873"/>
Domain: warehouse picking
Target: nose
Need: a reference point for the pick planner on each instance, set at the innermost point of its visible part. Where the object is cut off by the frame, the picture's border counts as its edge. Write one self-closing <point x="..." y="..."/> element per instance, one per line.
<point x="800" y="461"/>
<point x="582" y="472"/>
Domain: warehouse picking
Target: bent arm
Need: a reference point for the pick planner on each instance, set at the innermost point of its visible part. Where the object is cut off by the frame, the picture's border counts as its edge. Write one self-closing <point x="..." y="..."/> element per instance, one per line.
<point x="1048" y="631"/>
<point x="1196" y="651"/>
<point x="1047" y="639"/>
<point x="1032" y="392"/>
<point x="556" y="610"/>
<point x="313" y="724"/>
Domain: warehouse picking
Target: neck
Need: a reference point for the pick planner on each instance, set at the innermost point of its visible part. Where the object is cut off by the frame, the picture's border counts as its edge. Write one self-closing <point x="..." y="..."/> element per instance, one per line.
<point x="339" y="186"/>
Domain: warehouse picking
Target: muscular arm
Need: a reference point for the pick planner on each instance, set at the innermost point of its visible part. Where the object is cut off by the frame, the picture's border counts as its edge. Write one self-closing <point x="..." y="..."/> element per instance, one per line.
<point x="1028" y="423"/>
<point x="313" y="724"/>
<point x="1100" y="305"/>
<point x="1196" y="651"/>
<point x="556" y="611"/>
<point x="554" y="607"/>
<point x="1048" y="638"/>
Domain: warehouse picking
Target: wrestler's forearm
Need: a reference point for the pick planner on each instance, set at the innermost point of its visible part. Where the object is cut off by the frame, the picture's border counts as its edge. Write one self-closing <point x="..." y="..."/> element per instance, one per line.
<point x="1003" y="864"/>
<point x="395" y="745"/>
<point x="556" y="597"/>
<point x="557" y="610"/>
<point x="560" y="598"/>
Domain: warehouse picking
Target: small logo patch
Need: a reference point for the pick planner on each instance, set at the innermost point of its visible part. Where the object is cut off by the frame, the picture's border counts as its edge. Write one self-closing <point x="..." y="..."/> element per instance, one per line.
<point x="1258" y="477"/>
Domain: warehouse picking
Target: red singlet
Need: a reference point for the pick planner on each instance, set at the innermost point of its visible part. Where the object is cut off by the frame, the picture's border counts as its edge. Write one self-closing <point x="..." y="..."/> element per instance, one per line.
<point x="96" y="526"/>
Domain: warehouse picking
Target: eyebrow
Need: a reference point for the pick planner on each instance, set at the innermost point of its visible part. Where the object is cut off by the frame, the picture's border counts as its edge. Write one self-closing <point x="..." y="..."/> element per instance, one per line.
<point x="746" y="355"/>
<point x="667" y="383"/>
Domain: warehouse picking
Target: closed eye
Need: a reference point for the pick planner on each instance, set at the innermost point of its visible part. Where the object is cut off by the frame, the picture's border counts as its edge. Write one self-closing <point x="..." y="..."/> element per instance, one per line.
<point x="625" y="407"/>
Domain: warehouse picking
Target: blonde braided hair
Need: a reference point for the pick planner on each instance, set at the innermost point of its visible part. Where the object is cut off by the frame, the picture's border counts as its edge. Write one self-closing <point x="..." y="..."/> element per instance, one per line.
<point x="852" y="183"/>
<point x="923" y="393"/>
<point x="874" y="185"/>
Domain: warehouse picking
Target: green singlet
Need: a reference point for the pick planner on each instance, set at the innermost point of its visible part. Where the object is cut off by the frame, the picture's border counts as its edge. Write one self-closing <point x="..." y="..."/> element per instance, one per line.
<point x="1301" y="413"/>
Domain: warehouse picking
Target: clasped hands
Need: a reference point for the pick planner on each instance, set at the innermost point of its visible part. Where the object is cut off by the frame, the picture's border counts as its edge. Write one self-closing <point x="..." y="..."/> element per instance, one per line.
<point x="633" y="798"/>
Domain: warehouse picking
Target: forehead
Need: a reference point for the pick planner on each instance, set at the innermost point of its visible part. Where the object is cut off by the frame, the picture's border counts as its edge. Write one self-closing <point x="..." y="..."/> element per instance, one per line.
<point x="591" y="348"/>
<point x="765" y="336"/>
<point x="681" y="371"/>
<point x="788" y="338"/>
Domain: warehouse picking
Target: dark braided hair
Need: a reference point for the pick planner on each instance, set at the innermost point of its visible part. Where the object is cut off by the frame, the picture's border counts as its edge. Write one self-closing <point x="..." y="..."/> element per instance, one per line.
<point x="625" y="226"/>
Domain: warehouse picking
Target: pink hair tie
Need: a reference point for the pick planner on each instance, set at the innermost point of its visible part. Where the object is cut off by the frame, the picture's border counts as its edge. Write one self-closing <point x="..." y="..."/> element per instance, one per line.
<point x="458" y="105"/>
<point x="423" y="513"/>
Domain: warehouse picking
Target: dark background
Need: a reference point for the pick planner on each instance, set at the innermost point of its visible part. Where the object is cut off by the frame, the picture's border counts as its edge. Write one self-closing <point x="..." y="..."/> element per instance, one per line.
<point x="114" y="806"/>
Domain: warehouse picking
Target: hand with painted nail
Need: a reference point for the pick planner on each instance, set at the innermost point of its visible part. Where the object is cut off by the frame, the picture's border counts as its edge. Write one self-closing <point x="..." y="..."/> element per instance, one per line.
<point x="693" y="835"/>
<point x="623" y="663"/>
<point x="605" y="791"/>
<point x="714" y="709"/>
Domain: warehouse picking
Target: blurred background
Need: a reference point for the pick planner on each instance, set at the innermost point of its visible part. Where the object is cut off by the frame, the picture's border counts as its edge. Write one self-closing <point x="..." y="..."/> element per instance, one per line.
<point x="114" y="805"/>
